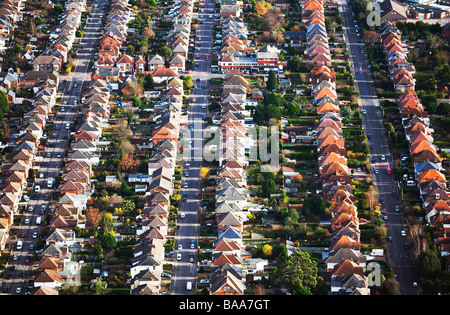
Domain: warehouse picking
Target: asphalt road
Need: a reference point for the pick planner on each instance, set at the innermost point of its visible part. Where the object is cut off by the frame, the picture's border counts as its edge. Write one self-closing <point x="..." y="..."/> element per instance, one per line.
<point x="400" y="259"/>
<point x="53" y="158"/>
<point x="188" y="227"/>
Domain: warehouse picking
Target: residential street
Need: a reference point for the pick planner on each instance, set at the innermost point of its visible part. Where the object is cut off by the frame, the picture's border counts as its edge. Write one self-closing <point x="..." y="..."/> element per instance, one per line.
<point x="54" y="155"/>
<point x="400" y="259"/>
<point x="188" y="228"/>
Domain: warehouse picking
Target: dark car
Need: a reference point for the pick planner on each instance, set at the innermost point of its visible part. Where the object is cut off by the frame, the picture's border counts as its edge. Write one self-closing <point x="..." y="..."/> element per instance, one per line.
<point x="5" y="289"/>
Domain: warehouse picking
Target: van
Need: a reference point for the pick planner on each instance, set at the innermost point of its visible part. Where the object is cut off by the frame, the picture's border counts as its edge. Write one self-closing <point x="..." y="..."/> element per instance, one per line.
<point x="189" y="286"/>
<point x="19" y="244"/>
<point x="410" y="183"/>
<point x="38" y="220"/>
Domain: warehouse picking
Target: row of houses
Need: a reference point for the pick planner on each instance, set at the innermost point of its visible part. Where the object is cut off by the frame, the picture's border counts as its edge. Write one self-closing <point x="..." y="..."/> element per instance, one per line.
<point x="400" y="70"/>
<point x="15" y="169"/>
<point x="236" y="53"/>
<point x="55" y="56"/>
<point x="10" y="14"/>
<point x="228" y="255"/>
<point x="317" y="49"/>
<point x="345" y="264"/>
<point x="148" y="259"/>
<point x="111" y="64"/>
<point x="427" y="162"/>
<point x="112" y="42"/>
<point x="56" y="267"/>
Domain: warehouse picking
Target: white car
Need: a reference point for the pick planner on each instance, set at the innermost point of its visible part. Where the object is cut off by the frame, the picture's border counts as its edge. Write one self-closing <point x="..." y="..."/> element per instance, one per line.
<point x="41" y="175"/>
<point x="178" y="256"/>
<point x="18" y="290"/>
<point x="403" y="233"/>
<point x="364" y="111"/>
<point x="186" y="185"/>
<point x="180" y="246"/>
<point x="27" y="221"/>
<point x="383" y="157"/>
<point x="182" y="215"/>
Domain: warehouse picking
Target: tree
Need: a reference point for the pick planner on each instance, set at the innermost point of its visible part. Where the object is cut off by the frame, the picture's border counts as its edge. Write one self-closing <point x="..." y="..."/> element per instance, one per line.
<point x="296" y="64"/>
<point x="391" y="286"/>
<point x="267" y="250"/>
<point x="272" y="81"/>
<point x="99" y="286"/>
<point x="124" y="189"/>
<point x="93" y="217"/>
<point x="293" y="109"/>
<point x="204" y="171"/>
<point x="443" y="108"/>
<point x="260" y="8"/>
<point x="443" y="75"/>
<point x="128" y="163"/>
<point x="298" y="272"/>
<point x="166" y="53"/>
<point x="371" y="37"/>
<point x="269" y="187"/>
<point x="148" y="33"/>
<point x="128" y="206"/>
<point x="429" y="265"/>
<point x="347" y="112"/>
<point x="108" y="240"/>
<point x="106" y="224"/>
<point x="4" y="104"/>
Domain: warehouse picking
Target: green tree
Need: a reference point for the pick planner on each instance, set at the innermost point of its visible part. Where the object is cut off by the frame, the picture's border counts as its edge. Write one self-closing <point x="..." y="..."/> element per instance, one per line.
<point x="443" y="75"/>
<point x="99" y="286"/>
<point x="269" y="187"/>
<point x="4" y="104"/>
<point x="429" y="265"/>
<point x="272" y="81"/>
<point x="298" y="272"/>
<point x="128" y="206"/>
<point x="165" y="52"/>
<point x="124" y="189"/>
<point x="106" y="224"/>
<point x="293" y="109"/>
<point x="108" y="240"/>
<point x="295" y="64"/>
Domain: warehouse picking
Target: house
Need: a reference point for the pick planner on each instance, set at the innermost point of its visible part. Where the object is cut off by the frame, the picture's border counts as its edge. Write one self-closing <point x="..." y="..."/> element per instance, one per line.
<point x="155" y="62"/>
<point x="125" y="64"/>
<point x="46" y="63"/>
<point x="177" y="63"/>
<point x="393" y="11"/>
<point x="163" y="74"/>
<point x="139" y="64"/>
<point x="227" y="284"/>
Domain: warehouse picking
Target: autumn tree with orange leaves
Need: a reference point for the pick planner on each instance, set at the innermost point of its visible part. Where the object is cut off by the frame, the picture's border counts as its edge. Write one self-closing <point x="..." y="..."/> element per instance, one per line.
<point x="128" y="163"/>
<point x="93" y="216"/>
